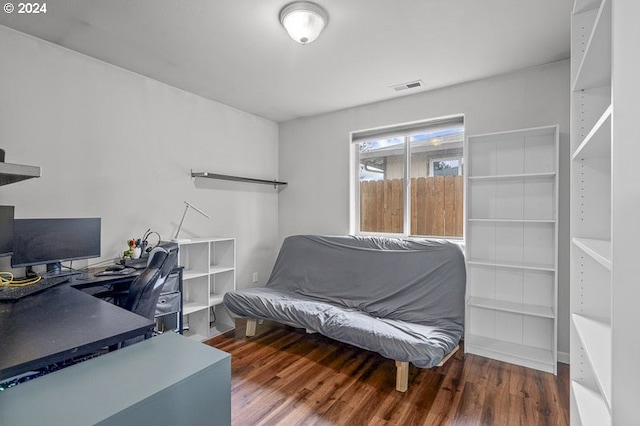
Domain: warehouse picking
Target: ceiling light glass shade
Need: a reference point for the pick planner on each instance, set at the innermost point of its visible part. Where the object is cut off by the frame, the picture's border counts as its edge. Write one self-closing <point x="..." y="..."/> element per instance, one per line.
<point x="303" y="20"/>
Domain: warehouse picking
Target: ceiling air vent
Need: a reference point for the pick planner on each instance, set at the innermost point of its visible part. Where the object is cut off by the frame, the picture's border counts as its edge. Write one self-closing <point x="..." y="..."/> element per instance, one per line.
<point x="410" y="85"/>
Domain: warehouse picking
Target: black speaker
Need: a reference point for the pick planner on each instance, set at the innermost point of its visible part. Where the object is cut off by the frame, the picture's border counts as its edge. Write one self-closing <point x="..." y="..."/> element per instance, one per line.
<point x="6" y="230"/>
<point x="1" y="155"/>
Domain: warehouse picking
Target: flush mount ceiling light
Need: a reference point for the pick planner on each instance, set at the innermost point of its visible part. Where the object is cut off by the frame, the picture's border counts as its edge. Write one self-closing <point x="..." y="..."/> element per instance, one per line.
<point x="303" y="20"/>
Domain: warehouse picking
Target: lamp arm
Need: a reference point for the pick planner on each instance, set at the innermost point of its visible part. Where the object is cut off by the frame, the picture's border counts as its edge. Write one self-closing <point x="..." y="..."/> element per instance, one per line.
<point x="186" y="209"/>
<point x="198" y="210"/>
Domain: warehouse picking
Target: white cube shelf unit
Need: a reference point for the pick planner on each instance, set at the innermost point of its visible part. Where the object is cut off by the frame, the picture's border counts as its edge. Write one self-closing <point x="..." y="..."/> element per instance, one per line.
<point x="511" y="244"/>
<point x="209" y="272"/>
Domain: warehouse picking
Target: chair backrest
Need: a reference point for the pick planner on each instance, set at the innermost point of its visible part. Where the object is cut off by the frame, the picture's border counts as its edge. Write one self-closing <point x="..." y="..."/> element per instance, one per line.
<point x="146" y="287"/>
<point x="170" y="262"/>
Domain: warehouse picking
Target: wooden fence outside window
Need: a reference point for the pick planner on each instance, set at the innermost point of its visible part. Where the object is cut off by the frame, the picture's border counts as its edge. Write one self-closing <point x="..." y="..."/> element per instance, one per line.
<point x="436" y="206"/>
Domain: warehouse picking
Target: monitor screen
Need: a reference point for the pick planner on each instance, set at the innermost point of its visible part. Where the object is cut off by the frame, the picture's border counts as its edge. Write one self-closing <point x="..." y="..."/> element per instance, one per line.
<point x="51" y="241"/>
<point x="6" y="230"/>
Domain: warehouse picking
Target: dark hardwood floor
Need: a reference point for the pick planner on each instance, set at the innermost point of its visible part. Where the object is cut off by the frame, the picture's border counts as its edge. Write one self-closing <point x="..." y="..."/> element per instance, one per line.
<point x="284" y="376"/>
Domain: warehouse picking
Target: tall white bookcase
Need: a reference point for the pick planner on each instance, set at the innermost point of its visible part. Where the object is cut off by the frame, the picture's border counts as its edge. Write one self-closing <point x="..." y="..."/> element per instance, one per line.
<point x="511" y="243"/>
<point x="209" y="272"/>
<point x="605" y="207"/>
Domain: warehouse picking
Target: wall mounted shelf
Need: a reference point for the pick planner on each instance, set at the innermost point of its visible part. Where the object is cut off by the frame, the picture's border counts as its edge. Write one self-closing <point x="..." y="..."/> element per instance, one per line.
<point x="11" y="173"/>
<point x="208" y="175"/>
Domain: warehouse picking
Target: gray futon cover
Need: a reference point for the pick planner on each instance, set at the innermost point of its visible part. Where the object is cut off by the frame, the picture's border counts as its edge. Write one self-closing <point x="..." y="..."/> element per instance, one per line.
<point x="401" y="298"/>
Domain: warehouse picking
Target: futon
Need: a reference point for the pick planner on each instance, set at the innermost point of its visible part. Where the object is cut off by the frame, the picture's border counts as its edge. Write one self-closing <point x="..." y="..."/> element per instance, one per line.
<point x="402" y="298"/>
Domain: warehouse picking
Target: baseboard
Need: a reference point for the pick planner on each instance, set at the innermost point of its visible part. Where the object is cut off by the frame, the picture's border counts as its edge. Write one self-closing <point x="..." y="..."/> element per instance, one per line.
<point x="563" y="357"/>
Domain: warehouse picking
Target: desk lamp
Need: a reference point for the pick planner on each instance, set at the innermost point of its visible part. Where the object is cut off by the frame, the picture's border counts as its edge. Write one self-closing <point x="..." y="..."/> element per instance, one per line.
<point x="186" y="209"/>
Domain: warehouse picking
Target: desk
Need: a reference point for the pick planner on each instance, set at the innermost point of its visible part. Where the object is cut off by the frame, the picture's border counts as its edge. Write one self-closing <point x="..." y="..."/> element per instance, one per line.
<point x="90" y="280"/>
<point x="167" y="313"/>
<point x="61" y="323"/>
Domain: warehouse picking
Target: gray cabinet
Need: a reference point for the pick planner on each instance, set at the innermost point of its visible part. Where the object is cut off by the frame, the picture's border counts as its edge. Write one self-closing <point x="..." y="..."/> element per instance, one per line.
<point x="166" y="380"/>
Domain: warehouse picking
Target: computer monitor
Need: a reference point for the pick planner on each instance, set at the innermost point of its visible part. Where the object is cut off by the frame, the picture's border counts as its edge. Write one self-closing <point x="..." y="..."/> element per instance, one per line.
<point x="6" y="230"/>
<point x="51" y="241"/>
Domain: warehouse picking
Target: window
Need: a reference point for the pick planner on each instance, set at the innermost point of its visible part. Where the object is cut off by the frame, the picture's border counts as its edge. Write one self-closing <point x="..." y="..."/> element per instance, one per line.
<point x="408" y="179"/>
<point x="449" y="166"/>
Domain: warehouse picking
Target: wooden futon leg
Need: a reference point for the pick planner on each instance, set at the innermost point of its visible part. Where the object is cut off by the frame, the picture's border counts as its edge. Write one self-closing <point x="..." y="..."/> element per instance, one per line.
<point x="402" y="371"/>
<point x="446" y="358"/>
<point x="402" y="376"/>
<point x="251" y="327"/>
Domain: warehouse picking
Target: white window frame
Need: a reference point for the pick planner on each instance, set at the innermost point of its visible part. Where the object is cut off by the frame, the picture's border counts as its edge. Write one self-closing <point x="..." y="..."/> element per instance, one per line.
<point x="354" y="174"/>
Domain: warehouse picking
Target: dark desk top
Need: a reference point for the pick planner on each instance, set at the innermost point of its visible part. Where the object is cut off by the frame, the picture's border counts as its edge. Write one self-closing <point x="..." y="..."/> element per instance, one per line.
<point x="90" y="280"/>
<point x="60" y="323"/>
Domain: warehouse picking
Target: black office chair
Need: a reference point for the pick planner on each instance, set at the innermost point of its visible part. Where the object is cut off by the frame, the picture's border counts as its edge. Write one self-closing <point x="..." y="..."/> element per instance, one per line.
<point x="145" y="289"/>
<point x="142" y="296"/>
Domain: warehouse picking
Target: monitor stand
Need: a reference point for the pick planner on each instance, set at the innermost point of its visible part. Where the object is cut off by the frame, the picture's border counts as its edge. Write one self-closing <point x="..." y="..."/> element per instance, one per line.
<point x="53" y="270"/>
<point x="30" y="273"/>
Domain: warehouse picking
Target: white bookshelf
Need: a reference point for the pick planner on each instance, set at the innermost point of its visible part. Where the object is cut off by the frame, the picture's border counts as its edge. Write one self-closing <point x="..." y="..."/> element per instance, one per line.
<point x="591" y="409"/>
<point x="512" y="176"/>
<point x="598" y="250"/>
<point x="209" y="272"/>
<point x="591" y="242"/>
<point x="592" y="334"/>
<point x="502" y="350"/>
<point x="511" y="239"/>
<point x="512" y="265"/>
<point x="597" y="143"/>
<point x="605" y="201"/>
<point x="514" y="220"/>
<point x="507" y="306"/>
<point x="594" y="66"/>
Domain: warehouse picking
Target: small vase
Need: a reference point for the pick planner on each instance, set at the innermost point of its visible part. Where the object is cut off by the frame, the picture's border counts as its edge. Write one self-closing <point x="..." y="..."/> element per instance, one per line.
<point x="136" y="252"/>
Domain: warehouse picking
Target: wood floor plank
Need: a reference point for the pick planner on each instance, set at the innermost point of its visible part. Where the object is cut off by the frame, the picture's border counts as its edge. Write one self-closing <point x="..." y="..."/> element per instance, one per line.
<point x="495" y="407"/>
<point x="523" y="412"/>
<point x="420" y="398"/>
<point x="389" y="407"/>
<point x="517" y="381"/>
<point x="284" y="376"/>
<point x="372" y="388"/>
<point x="469" y="411"/>
<point x="444" y="408"/>
<point x="499" y="375"/>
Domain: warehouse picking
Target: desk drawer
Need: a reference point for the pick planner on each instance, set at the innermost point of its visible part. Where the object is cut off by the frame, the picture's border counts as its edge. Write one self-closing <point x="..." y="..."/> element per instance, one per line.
<point x="168" y="303"/>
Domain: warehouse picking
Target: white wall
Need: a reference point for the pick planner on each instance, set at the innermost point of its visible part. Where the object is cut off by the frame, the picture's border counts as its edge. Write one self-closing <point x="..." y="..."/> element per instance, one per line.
<point x="120" y="146"/>
<point x="314" y="151"/>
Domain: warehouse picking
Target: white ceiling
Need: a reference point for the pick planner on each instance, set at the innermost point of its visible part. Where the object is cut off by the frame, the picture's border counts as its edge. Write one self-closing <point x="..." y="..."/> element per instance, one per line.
<point x="236" y="52"/>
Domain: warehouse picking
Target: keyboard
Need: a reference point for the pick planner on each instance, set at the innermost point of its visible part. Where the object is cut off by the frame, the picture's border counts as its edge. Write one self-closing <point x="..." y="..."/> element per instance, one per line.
<point x="66" y="273"/>
<point x="125" y="271"/>
<point x="15" y="293"/>
<point x="30" y="375"/>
